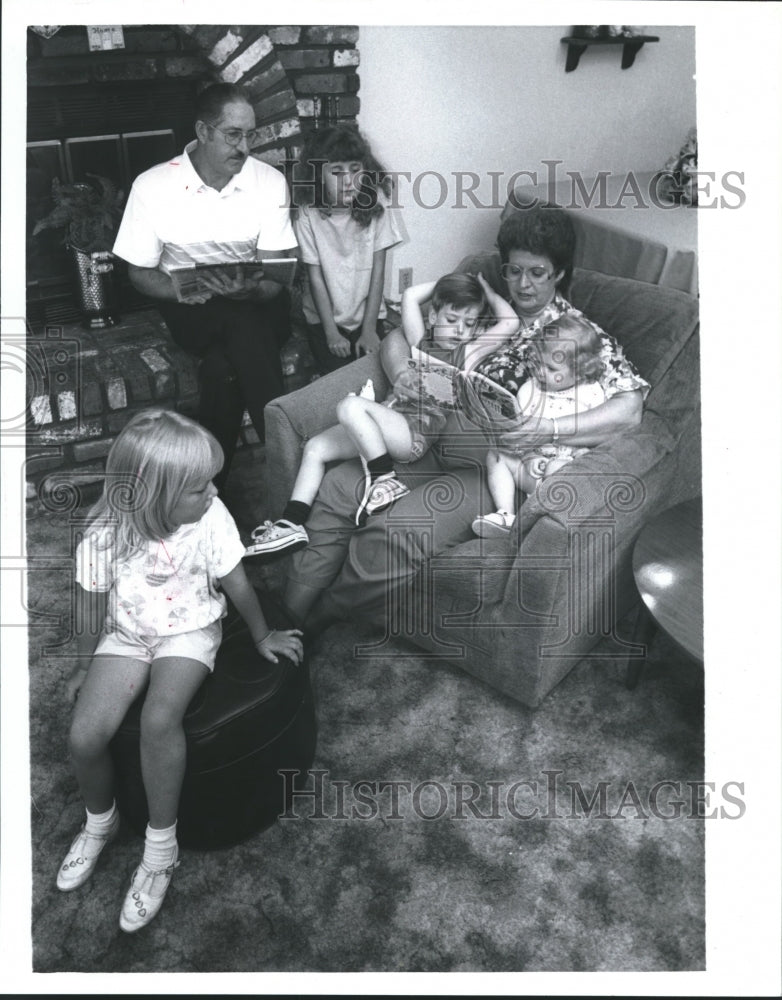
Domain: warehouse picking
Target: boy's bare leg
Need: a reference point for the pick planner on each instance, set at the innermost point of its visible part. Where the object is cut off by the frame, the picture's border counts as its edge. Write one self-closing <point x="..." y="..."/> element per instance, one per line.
<point x="331" y="445"/>
<point x="375" y="429"/>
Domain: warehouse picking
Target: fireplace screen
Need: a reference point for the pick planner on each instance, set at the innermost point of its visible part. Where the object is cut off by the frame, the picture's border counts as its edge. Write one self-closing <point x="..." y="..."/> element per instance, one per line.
<point x="119" y="157"/>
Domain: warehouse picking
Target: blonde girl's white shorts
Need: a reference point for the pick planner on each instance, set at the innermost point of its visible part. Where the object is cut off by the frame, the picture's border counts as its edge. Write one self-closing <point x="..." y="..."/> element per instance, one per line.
<point x="200" y="644"/>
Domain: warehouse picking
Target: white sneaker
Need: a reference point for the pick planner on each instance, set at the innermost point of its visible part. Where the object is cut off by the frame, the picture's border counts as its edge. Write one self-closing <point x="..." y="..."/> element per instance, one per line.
<point x="380" y="494"/>
<point x="276" y="537"/>
<point x="145" y="896"/>
<point x="495" y="525"/>
<point x="79" y="863"/>
<point x="367" y="390"/>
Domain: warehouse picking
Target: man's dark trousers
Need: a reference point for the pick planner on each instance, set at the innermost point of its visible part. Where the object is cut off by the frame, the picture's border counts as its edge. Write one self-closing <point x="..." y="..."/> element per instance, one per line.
<point x="238" y="342"/>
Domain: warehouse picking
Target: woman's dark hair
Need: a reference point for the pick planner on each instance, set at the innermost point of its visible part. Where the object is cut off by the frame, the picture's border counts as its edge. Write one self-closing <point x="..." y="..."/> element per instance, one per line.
<point x="340" y="143"/>
<point x="544" y="230"/>
<point x="211" y="101"/>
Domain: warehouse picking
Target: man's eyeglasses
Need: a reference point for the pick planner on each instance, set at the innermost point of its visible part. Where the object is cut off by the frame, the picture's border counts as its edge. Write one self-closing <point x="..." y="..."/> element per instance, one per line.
<point x="233" y="136"/>
<point x="537" y="275"/>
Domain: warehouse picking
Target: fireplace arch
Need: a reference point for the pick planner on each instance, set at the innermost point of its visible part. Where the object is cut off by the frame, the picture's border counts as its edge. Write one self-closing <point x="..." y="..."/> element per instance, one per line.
<point x="83" y="105"/>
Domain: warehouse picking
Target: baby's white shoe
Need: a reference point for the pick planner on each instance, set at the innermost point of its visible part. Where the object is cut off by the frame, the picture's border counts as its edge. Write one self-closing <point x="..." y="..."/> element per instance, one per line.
<point x="496" y="525"/>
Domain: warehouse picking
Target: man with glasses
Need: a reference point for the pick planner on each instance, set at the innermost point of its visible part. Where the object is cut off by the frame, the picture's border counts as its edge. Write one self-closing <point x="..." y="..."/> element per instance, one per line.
<point x="215" y="203"/>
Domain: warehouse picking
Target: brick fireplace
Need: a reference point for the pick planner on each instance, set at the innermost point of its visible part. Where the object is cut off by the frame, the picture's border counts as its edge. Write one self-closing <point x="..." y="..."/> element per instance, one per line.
<point x="116" y="113"/>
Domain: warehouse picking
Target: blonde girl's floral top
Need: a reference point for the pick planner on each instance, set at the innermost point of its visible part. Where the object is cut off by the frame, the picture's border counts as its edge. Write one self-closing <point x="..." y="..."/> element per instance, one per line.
<point x="171" y="584"/>
<point x="508" y="365"/>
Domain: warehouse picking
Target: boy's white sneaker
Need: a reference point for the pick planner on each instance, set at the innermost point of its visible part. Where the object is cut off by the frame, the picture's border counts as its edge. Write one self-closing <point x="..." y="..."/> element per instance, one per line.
<point x="380" y="494"/>
<point x="145" y="896"/>
<point x="367" y="390"/>
<point x="496" y="525"/>
<point x="276" y="536"/>
<point x="79" y="863"/>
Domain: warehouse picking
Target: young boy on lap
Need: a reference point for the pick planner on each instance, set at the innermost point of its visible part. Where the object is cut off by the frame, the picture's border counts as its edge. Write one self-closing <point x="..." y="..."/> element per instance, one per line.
<point x="402" y="427"/>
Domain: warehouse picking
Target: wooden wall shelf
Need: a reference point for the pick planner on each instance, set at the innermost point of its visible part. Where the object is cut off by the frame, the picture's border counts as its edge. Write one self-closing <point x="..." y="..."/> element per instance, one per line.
<point x="631" y="44"/>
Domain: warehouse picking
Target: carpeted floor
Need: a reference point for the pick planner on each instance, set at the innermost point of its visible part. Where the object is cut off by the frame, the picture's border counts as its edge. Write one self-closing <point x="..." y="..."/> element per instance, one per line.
<point x="530" y="877"/>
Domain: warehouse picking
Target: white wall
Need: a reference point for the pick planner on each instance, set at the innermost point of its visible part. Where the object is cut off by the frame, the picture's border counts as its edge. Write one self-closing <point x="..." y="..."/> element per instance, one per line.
<point x="481" y="99"/>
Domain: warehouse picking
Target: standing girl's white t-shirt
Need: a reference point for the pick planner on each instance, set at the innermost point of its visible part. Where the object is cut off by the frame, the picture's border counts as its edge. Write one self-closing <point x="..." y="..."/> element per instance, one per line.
<point x="345" y="252"/>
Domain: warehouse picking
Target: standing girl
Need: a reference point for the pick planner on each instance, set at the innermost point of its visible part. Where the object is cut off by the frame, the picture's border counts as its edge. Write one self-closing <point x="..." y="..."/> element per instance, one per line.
<point x="344" y="227"/>
<point x="148" y="608"/>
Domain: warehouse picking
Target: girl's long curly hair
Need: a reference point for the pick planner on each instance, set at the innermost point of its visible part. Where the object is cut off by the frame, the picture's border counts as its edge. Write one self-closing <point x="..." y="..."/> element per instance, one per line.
<point x="341" y="143"/>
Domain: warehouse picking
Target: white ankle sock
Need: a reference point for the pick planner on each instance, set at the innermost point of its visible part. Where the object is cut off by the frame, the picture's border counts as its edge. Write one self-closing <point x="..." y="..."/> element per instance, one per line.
<point x="160" y="847"/>
<point x="101" y="823"/>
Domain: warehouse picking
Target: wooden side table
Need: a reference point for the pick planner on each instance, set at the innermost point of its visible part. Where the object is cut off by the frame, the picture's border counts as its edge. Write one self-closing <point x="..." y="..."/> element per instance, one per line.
<point x="668" y="571"/>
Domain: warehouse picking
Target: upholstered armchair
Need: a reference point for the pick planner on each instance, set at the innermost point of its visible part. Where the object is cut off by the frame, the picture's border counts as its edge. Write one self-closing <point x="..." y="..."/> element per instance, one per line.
<point x="520" y="615"/>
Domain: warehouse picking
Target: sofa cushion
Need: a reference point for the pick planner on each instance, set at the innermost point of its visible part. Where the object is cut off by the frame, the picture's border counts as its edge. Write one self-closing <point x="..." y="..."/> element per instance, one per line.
<point x="651" y="322"/>
<point x="313" y="408"/>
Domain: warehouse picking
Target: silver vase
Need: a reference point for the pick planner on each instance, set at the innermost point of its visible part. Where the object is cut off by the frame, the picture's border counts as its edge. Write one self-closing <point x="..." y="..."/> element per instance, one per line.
<point x="95" y="286"/>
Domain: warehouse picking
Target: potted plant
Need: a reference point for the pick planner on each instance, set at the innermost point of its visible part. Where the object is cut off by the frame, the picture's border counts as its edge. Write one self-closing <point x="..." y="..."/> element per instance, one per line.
<point x="89" y="214"/>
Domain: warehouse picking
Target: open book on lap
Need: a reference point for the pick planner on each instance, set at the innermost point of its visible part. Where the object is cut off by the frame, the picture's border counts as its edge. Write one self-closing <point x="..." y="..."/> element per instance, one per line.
<point x="485" y="402"/>
<point x="188" y="278"/>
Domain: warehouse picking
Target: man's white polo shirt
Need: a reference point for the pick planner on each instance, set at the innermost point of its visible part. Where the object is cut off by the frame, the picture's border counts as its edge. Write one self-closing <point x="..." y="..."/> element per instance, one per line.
<point x="172" y="218"/>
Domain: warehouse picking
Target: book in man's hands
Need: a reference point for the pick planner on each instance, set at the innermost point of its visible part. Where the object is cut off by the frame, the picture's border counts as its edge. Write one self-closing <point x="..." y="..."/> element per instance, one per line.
<point x="483" y="401"/>
<point x="189" y="279"/>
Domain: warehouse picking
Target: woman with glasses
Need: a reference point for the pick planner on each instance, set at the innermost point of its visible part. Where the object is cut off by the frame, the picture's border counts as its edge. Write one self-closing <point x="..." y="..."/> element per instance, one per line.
<point x="537" y="247"/>
<point x="215" y="204"/>
<point x="348" y="573"/>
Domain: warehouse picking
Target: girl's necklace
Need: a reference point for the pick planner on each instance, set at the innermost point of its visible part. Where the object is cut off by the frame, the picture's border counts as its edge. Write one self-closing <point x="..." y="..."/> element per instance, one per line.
<point x="156" y="579"/>
<point x="162" y="545"/>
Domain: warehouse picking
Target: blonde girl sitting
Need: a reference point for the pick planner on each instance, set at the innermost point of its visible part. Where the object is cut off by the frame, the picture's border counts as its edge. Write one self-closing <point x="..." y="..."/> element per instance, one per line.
<point x="150" y="574"/>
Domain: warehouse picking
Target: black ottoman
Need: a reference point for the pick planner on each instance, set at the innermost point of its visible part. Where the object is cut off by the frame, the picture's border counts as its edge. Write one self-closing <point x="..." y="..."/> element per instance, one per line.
<point x="248" y="720"/>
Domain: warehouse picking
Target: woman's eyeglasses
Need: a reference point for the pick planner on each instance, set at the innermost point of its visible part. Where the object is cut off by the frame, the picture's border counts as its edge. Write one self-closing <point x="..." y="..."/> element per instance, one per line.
<point x="537" y="275"/>
<point x="233" y="136"/>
